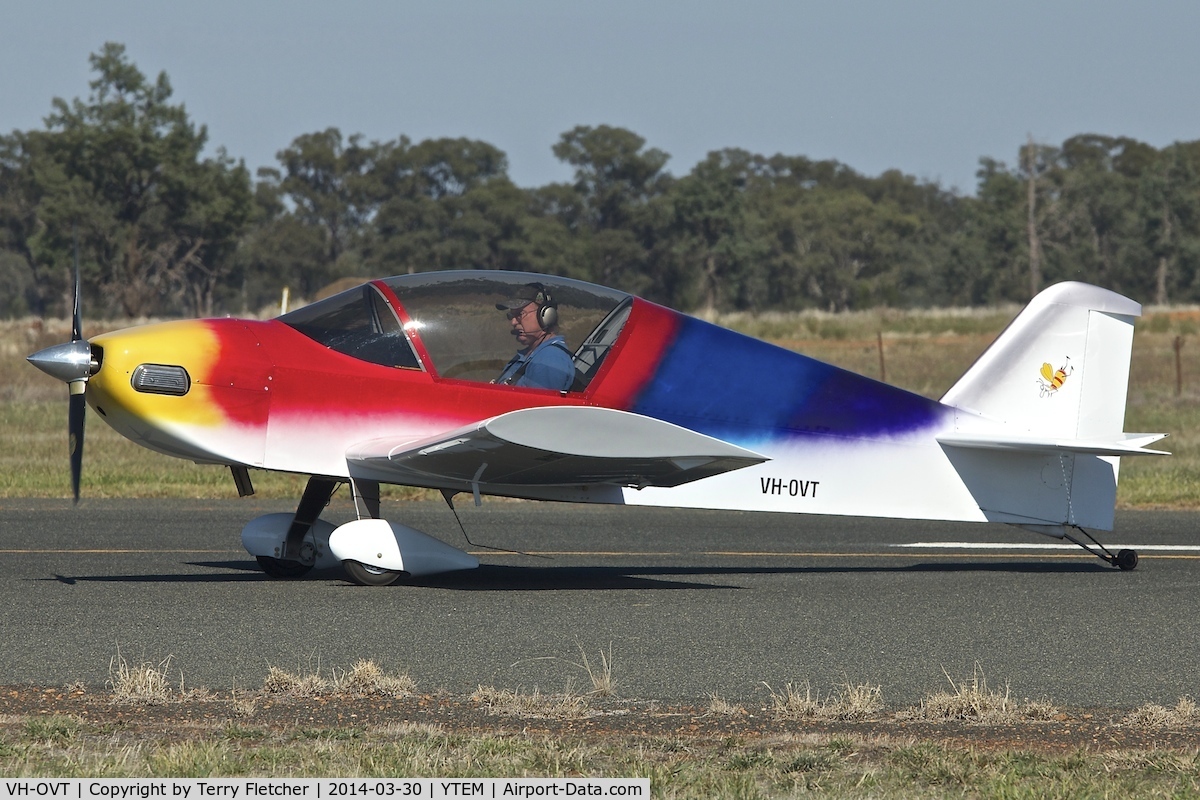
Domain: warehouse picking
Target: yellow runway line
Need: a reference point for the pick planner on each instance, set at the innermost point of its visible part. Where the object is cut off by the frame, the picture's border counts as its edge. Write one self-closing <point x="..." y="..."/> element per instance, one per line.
<point x="742" y="554"/>
<point x="34" y="551"/>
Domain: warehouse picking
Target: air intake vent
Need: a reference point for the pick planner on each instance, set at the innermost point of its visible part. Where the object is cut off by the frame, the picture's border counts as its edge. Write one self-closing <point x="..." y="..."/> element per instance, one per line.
<point x="161" y="379"/>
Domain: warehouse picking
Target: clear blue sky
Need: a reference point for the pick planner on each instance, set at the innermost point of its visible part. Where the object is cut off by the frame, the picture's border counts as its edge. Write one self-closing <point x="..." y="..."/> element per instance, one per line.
<point x="927" y="86"/>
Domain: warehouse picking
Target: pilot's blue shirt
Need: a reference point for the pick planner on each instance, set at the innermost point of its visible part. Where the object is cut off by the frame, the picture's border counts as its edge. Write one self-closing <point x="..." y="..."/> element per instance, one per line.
<point x="549" y="366"/>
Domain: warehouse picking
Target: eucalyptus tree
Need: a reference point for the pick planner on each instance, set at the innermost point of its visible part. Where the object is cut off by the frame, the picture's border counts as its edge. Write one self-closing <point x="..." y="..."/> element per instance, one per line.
<point x="19" y="281"/>
<point x="123" y="174"/>
<point x="330" y="184"/>
<point x="278" y="250"/>
<point x="616" y="177"/>
<point x="1168" y="213"/>
<point x="1097" y="237"/>
<point x="712" y="250"/>
<point x="444" y="203"/>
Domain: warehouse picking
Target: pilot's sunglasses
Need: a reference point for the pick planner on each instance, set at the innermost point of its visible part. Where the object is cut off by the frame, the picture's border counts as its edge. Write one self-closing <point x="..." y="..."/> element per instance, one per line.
<point x="517" y="313"/>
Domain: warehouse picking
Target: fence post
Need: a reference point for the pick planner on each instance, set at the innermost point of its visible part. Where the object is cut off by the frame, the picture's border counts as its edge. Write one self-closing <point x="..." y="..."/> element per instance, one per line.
<point x="882" y="363"/>
<point x="1178" y="366"/>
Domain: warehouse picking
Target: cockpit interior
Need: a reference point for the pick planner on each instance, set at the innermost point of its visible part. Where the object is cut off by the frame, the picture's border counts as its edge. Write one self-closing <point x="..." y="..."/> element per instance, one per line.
<point x="447" y="323"/>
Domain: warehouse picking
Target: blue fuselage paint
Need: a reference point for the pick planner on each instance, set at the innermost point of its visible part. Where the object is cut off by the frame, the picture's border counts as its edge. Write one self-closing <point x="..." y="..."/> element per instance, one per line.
<point x="738" y="388"/>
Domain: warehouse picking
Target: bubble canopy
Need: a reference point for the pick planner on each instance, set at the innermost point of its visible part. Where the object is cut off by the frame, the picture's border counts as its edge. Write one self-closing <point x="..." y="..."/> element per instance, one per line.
<point x="453" y="318"/>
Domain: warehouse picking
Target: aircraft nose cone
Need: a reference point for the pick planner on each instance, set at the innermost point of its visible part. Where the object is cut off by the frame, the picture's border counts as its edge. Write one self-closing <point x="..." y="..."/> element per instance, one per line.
<point x="68" y="362"/>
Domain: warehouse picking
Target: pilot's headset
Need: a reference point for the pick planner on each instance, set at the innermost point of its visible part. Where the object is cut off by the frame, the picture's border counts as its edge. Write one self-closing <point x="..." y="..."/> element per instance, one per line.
<point x="536" y="293"/>
<point x="547" y="307"/>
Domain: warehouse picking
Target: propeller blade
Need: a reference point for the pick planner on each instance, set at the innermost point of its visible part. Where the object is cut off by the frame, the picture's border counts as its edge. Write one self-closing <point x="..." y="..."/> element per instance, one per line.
<point x="75" y="417"/>
<point x="72" y="362"/>
<point x="76" y="311"/>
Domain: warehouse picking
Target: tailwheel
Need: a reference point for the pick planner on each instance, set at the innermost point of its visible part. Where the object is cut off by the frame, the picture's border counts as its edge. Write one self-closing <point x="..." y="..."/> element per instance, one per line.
<point x="367" y="575"/>
<point x="1126" y="559"/>
<point x="281" y="569"/>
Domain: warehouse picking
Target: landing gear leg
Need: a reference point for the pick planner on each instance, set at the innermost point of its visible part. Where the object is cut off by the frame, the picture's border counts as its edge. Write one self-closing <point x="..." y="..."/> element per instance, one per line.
<point x="366" y="498"/>
<point x="298" y="557"/>
<point x="1124" y="559"/>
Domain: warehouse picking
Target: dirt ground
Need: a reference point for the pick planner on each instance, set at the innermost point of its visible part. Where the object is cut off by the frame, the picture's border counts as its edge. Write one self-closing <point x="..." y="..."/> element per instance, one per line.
<point x="1096" y="730"/>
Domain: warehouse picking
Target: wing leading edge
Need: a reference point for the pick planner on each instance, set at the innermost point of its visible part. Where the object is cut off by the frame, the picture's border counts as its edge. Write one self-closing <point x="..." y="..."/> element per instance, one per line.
<point x="552" y="446"/>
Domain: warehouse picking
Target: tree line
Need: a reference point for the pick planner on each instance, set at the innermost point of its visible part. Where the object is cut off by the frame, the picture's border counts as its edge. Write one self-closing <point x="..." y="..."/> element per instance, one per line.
<point x="122" y="178"/>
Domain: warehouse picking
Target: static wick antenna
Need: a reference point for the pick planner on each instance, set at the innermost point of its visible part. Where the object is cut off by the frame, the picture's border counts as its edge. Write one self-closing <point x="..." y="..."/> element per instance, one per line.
<point x="448" y="495"/>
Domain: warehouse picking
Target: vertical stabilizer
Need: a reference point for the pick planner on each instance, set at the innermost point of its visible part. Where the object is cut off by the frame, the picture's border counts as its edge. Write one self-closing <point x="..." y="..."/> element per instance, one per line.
<point x="1040" y="416"/>
<point x="1060" y="369"/>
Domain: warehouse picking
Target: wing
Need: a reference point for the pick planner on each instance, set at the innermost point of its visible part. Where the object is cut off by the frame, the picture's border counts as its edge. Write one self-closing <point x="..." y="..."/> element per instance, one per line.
<point x="553" y="446"/>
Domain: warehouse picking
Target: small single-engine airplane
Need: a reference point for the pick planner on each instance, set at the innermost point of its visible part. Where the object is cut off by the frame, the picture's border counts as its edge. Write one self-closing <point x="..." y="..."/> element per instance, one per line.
<point x="395" y="382"/>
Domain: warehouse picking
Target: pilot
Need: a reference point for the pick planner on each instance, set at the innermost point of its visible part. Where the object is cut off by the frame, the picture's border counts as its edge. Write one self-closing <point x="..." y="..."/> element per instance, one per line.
<point x="543" y="362"/>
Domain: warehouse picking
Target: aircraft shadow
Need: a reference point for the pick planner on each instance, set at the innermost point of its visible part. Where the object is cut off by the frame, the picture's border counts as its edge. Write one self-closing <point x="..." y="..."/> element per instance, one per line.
<point x="490" y="578"/>
<point x="499" y="578"/>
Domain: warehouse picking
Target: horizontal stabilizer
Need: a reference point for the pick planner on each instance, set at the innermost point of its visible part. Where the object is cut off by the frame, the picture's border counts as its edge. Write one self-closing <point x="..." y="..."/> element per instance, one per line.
<point x="1126" y="444"/>
<point x="553" y="446"/>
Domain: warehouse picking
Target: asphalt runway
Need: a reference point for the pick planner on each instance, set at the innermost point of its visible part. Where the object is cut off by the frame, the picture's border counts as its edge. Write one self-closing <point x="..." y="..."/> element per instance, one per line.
<point x="689" y="603"/>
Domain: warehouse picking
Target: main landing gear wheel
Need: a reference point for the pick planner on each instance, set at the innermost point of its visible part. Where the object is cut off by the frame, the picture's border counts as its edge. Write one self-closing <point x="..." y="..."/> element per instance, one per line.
<point x="283" y="570"/>
<point x="1126" y="559"/>
<point x="366" y="575"/>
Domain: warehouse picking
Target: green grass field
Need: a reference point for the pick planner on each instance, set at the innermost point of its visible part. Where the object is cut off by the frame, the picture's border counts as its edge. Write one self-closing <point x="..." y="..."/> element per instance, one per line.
<point x="923" y="351"/>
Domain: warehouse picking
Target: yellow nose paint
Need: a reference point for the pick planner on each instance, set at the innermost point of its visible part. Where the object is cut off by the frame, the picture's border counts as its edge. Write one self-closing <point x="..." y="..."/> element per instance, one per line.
<point x="188" y="344"/>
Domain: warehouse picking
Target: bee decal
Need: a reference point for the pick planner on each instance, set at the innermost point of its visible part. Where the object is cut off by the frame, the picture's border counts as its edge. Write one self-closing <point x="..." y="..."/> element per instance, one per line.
<point x="1053" y="379"/>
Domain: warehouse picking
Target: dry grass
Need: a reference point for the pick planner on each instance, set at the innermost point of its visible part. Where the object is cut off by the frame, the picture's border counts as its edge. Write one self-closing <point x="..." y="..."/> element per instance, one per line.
<point x="600" y="674"/>
<point x="972" y="700"/>
<point x="567" y="704"/>
<point x="148" y="683"/>
<point x="720" y="707"/>
<point x="1039" y="711"/>
<point x="532" y="705"/>
<point x="243" y="705"/>
<point x="792" y="704"/>
<point x="857" y="701"/>
<point x="143" y="683"/>
<point x="280" y="681"/>
<point x="1185" y="714"/>
<point x="847" y="702"/>
<point x="365" y="677"/>
<point x="968" y="700"/>
<point x="368" y="678"/>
